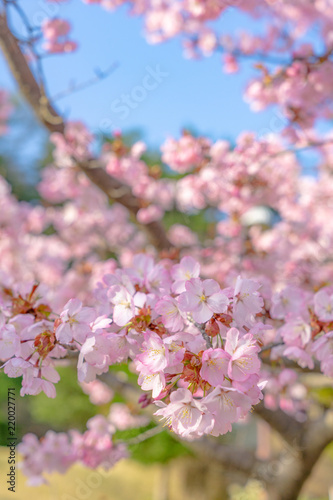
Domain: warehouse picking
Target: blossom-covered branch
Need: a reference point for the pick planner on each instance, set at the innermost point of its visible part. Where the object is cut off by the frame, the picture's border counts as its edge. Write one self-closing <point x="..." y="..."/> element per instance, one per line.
<point x="47" y="114"/>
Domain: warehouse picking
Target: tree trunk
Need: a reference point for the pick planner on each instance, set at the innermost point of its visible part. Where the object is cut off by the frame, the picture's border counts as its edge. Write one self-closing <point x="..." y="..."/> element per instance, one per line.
<point x="197" y="479"/>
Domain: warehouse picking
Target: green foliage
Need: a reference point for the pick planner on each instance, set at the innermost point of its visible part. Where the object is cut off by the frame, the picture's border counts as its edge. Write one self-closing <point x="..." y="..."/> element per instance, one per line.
<point x="71" y="408"/>
<point x="329" y="451"/>
<point x="24" y="150"/>
<point x="196" y="222"/>
<point x="323" y="395"/>
<point x="5" y="384"/>
<point x="160" y="448"/>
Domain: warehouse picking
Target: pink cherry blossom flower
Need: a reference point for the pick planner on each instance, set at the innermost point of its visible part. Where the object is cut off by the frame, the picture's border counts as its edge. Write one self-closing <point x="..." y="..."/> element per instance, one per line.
<point x="323" y="302"/>
<point x="287" y="303"/>
<point x="184" y="415"/>
<point x="37" y="385"/>
<point x="98" y="392"/>
<point x="33" y="459"/>
<point x="300" y="355"/>
<point x="176" y="348"/>
<point x="55" y="28"/>
<point x="150" y="214"/>
<point x="75" y="322"/>
<point x="244" y="360"/>
<point x="224" y="403"/>
<point x="230" y="64"/>
<point x="9" y="342"/>
<point x="157" y="279"/>
<point x="56" y="33"/>
<point x="187" y="268"/>
<point x="94" y="357"/>
<point x="39" y="380"/>
<point x="296" y="332"/>
<point x="56" y="452"/>
<point x="202" y="299"/>
<point x="180" y="235"/>
<point x="55" y="47"/>
<point x="16" y="367"/>
<point x="119" y="345"/>
<point x="154" y="382"/>
<point x="252" y="388"/>
<point x="155" y="354"/>
<point x="182" y="155"/>
<point x="122" y="418"/>
<point x="214" y="366"/>
<point x="323" y="350"/>
<point x="75" y="142"/>
<point x="172" y="317"/>
<point x="123" y="302"/>
<point x="247" y="301"/>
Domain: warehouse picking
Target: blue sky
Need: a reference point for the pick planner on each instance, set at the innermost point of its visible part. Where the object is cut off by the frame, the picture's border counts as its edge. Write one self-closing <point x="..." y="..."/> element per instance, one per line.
<point x="191" y="93"/>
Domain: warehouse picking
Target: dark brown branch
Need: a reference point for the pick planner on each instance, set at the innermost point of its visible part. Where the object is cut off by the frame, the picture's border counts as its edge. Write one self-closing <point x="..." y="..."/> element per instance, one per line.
<point x="293" y="468"/>
<point x="288" y="363"/>
<point x="230" y="457"/>
<point x="288" y="428"/>
<point x="116" y="191"/>
<point x="51" y="119"/>
<point x="26" y="81"/>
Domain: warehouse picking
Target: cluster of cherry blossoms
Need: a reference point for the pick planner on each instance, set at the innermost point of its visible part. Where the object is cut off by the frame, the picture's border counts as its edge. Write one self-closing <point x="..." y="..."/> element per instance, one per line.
<point x="57" y="452"/>
<point x="56" y="34"/>
<point x="151" y="314"/>
<point x="35" y="340"/>
<point x="234" y="181"/>
<point x="193" y="17"/>
<point x="301" y="80"/>
<point x="230" y="179"/>
<point x="194" y="345"/>
<point x="308" y="79"/>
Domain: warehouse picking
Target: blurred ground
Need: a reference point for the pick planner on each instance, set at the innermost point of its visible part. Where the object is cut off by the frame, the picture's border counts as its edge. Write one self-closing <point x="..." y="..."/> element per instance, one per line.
<point x="129" y="480"/>
<point x="125" y="479"/>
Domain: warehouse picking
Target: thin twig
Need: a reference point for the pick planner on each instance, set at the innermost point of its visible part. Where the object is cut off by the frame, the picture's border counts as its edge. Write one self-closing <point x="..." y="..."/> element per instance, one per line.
<point x="144" y="436"/>
<point x="270" y="346"/>
<point x="100" y="75"/>
<point x="202" y="330"/>
<point x="45" y="111"/>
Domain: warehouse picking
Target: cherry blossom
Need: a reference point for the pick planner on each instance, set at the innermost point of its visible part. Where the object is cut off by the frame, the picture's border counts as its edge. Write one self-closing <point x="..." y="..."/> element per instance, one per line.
<point x="224" y="403"/>
<point x="214" y="366"/>
<point x="202" y="299"/>
<point x="56" y="33"/>
<point x="75" y="322"/>
<point x="324" y="305"/>
<point x="243" y="355"/>
<point x="57" y="452"/>
<point x="185" y="415"/>
<point x="246" y="300"/>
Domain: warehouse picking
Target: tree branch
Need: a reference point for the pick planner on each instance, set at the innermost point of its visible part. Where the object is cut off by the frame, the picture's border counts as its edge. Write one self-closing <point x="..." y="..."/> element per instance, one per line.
<point x="52" y="120"/>
<point x="288" y="428"/>
<point x="288" y="363"/>
<point x="229" y="456"/>
<point x="320" y="433"/>
<point x="294" y="467"/>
